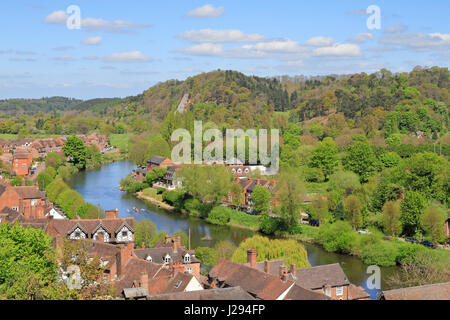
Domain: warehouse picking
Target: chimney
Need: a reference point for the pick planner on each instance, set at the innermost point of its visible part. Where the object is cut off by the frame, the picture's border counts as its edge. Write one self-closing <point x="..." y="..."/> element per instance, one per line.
<point x="126" y="252"/>
<point x="112" y="214"/>
<point x="267" y="267"/>
<point x="167" y="239"/>
<point x="294" y="271"/>
<point x="177" y="267"/>
<point x="251" y="257"/>
<point x="144" y="280"/>
<point x="258" y="181"/>
<point x="283" y="273"/>
<point x="175" y="244"/>
<point x="143" y="245"/>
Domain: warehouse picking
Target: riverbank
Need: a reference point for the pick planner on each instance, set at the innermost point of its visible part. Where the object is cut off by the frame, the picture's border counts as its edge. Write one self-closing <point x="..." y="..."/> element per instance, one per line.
<point x="160" y="204"/>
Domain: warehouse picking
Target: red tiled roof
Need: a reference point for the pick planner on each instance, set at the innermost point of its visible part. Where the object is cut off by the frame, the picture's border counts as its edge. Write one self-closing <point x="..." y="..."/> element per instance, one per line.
<point x="438" y="291"/>
<point x="257" y="283"/>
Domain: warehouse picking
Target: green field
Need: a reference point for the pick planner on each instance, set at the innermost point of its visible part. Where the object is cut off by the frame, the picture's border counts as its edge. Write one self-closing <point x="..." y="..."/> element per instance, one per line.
<point x="120" y="141"/>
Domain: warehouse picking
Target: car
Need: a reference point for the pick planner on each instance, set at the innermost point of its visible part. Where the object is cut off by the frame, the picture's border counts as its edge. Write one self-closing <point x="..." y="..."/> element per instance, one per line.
<point x="411" y="240"/>
<point x="314" y="223"/>
<point x="428" y="244"/>
<point x="364" y="232"/>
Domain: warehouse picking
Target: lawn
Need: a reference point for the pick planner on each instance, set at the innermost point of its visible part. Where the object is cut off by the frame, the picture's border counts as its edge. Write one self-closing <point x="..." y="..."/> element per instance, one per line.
<point x="244" y="219"/>
<point x="120" y="141"/>
<point x="150" y="192"/>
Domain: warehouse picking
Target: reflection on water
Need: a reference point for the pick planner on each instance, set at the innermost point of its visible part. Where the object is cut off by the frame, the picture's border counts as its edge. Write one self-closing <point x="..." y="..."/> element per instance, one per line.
<point x="101" y="187"/>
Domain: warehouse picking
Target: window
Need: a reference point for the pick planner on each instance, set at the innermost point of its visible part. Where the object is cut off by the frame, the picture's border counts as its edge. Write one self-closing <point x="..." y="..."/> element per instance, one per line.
<point x="33" y="202"/>
<point x="167" y="259"/>
<point x="124" y="234"/>
<point x="233" y="170"/>
<point x="77" y="234"/>
<point x="187" y="258"/>
<point x="189" y="270"/>
<point x="246" y="170"/>
<point x="149" y="259"/>
<point x="339" y="291"/>
<point x="239" y="171"/>
<point x="178" y="284"/>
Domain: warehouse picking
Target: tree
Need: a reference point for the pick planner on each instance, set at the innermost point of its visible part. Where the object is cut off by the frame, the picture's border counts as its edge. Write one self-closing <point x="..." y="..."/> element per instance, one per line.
<point x="207" y="183"/>
<point x="352" y="207"/>
<point x="362" y="160"/>
<point x="344" y="182"/>
<point x="220" y="216"/>
<point x="28" y="268"/>
<point x="224" y="250"/>
<point x="412" y="208"/>
<point x="91" y="283"/>
<point x="261" y="199"/>
<point x="289" y="189"/>
<point x="291" y="251"/>
<point x="237" y="194"/>
<point x="75" y="149"/>
<point x="158" y="147"/>
<point x="325" y="157"/>
<point x="44" y="179"/>
<point x="53" y="160"/>
<point x="207" y="256"/>
<point x="391" y="218"/>
<point x="320" y="206"/>
<point x="433" y="221"/>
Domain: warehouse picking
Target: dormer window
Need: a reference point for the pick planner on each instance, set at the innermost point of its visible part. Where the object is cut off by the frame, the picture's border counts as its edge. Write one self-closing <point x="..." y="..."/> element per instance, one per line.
<point x="239" y="171"/>
<point x="187" y="258"/>
<point x="167" y="259"/>
<point x="246" y="170"/>
<point x="149" y="259"/>
<point x="233" y="170"/>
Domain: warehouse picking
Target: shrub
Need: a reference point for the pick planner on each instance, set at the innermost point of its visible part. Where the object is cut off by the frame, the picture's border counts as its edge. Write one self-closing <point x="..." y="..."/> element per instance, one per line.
<point x="160" y="190"/>
<point x="269" y="225"/>
<point x="175" y="198"/>
<point x="381" y="254"/>
<point x="44" y="180"/>
<point x="220" y="216"/>
<point x="337" y="237"/>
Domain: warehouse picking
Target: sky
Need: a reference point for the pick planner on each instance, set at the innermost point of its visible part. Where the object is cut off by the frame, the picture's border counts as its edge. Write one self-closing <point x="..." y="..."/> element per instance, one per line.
<point x="122" y="48"/>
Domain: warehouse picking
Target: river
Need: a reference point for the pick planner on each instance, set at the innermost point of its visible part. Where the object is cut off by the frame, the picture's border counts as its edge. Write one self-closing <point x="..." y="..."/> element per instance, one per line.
<point x="101" y="187"/>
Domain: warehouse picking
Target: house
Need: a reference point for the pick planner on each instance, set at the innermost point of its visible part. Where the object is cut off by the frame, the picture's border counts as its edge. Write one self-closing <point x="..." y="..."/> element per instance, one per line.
<point x="28" y="201"/>
<point x="141" y="278"/>
<point x="111" y="229"/>
<point x="22" y="160"/>
<point x="225" y="294"/>
<point x="7" y="159"/>
<point x="172" y="252"/>
<point x="170" y="180"/>
<point x="139" y="174"/>
<point x="258" y="284"/>
<point x="159" y="162"/>
<point x="329" y="280"/>
<point x="248" y="186"/>
<point x="438" y="291"/>
<point x="46" y="146"/>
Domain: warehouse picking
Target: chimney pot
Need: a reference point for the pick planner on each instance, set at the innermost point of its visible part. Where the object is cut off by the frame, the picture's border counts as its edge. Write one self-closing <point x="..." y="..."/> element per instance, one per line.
<point x="267" y="267"/>
<point x="251" y="257"/>
<point x="294" y="270"/>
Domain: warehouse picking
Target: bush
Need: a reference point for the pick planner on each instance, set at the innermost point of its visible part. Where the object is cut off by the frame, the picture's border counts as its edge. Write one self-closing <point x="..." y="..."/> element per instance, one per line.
<point x="381" y="254"/>
<point x="55" y="189"/>
<point x="160" y="190"/>
<point x="313" y="174"/>
<point x="51" y="172"/>
<point x="244" y="219"/>
<point x="44" y="180"/>
<point x="175" y="198"/>
<point x="337" y="237"/>
<point x="88" y="211"/>
<point x="220" y="216"/>
<point x="270" y="225"/>
<point x="130" y="185"/>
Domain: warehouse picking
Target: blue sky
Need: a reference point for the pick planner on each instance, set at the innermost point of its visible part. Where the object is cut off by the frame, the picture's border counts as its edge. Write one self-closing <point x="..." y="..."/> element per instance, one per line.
<point x="124" y="47"/>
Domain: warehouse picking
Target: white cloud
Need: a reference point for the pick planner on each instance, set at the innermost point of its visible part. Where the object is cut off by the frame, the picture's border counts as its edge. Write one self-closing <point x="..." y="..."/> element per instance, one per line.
<point x="207" y="11"/>
<point x="57" y="17"/>
<point x="418" y="41"/>
<point x="96" y="24"/>
<point x="63" y="48"/>
<point x="361" y="38"/>
<point x="133" y="56"/>
<point x="93" y="41"/>
<point x="219" y="36"/>
<point x="90" y="58"/>
<point x="320" y="42"/>
<point x="65" y="58"/>
<point x="396" y="28"/>
<point x="339" y="50"/>
<point x="277" y="46"/>
<point x="204" y="49"/>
